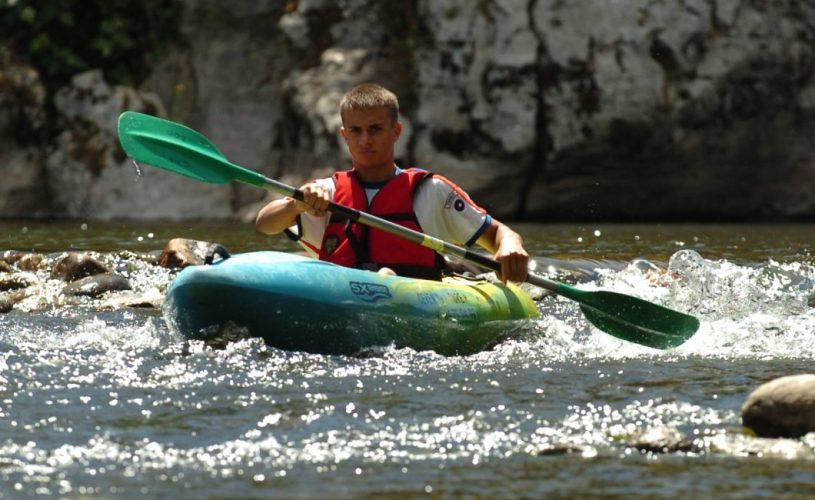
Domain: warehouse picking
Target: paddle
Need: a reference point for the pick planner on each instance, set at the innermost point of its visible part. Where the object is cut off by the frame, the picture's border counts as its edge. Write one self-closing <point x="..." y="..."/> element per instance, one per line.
<point x="177" y="148"/>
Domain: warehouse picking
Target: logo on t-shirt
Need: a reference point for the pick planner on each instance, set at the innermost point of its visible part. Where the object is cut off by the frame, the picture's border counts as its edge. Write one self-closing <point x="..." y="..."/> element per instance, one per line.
<point x="454" y="201"/>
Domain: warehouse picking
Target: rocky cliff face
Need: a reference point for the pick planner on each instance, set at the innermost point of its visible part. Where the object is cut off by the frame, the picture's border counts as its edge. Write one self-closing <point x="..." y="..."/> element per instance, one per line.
<point x="542" y="109"/>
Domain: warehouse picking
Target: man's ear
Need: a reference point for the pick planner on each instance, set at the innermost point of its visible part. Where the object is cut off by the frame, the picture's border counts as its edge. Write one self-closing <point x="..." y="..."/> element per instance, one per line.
<point x="343" y="133"/>
<point x="398" y="129"/>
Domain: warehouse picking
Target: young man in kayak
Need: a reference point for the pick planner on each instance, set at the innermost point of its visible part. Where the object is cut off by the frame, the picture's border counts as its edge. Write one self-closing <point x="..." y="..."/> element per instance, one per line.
<point x="411" y="197"/>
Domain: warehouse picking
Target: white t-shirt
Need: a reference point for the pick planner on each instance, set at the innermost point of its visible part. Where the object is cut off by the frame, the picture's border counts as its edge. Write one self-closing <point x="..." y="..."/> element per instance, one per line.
<point x="442" y="209"/>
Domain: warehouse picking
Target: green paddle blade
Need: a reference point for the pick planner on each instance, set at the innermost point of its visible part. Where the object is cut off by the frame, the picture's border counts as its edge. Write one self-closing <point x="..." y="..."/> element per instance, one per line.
<point x="636" y="320"/>
<point x="180" y="149"/>
<point x="625" y="317"/>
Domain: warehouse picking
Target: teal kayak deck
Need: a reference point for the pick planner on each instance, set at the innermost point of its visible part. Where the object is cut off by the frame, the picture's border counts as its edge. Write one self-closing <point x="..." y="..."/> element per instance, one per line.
<point x="297" y="303"/>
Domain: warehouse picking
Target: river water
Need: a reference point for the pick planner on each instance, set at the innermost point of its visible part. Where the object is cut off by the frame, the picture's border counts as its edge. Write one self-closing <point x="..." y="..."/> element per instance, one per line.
<point x="110" y="404"/>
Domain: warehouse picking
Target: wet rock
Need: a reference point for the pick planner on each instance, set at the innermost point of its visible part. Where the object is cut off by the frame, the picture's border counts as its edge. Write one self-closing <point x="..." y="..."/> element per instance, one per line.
<point x="660" y="440"/>
<point x="559" y="449"/>
<point x="182" y="252"/>
<point x="24" y="261"/>
<point x="784" y="407"/>
<point x="133" y="300"/>
<point x="74" y="266"/>
<point x="535" y="292"/>
<point x="16" y="281"/>
<point x="11" y="256"/>
<point x="18" y="295"/>
<point x="30" y="261"/>
<point x="94" y="286"/>
<point x="219" y="336"/>
<point x="6" y="304"/>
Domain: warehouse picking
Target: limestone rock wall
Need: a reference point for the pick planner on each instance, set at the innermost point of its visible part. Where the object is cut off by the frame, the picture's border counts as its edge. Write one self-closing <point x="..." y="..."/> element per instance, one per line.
<point x="542" y="109"/>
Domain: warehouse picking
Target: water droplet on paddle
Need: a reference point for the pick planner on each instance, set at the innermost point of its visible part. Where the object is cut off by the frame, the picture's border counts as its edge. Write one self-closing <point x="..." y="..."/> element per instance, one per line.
<point x="138" y="169"/>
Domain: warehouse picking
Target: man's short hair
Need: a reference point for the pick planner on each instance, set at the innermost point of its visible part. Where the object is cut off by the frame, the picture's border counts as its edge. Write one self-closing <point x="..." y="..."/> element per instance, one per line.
<point x="368" y="96"/>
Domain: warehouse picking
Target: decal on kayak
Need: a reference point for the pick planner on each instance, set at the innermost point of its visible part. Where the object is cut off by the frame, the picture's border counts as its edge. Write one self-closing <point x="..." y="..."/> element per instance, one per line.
<point x="370" y="292"/>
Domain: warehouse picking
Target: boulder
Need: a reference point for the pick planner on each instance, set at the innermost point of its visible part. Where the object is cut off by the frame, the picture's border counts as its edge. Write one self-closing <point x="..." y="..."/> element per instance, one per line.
<point x="182" y="252"/>
<point x="73" y="266"/>
<point x="784" y="407"/>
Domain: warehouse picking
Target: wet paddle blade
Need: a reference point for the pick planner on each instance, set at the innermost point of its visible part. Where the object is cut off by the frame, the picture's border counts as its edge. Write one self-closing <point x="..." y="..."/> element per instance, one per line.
<point x="636" y="320"/>
<point x="626" y="317"/>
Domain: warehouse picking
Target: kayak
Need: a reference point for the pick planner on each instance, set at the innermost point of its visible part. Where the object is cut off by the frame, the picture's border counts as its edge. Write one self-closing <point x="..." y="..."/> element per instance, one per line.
<point x="301" y="304"/>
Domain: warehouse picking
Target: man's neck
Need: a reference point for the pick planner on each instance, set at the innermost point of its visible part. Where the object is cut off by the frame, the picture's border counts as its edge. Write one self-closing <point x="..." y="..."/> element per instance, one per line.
<point x="376" y="175"/>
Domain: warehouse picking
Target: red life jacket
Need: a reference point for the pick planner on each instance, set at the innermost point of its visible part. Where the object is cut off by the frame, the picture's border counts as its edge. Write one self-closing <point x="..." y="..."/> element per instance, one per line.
<point x="355" y="245"/>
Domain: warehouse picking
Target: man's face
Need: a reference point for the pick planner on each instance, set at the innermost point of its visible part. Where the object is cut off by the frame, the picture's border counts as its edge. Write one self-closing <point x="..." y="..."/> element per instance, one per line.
<point x="370" y="135"/>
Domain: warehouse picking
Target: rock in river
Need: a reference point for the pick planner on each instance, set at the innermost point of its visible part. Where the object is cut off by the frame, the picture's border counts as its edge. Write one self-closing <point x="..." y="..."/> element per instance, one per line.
<point x="784" y="407"/>
<point x="94" y="286"/>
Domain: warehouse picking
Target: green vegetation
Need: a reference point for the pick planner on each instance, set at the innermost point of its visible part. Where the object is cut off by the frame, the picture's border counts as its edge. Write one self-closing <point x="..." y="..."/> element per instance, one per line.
<point x="61" y="38"/>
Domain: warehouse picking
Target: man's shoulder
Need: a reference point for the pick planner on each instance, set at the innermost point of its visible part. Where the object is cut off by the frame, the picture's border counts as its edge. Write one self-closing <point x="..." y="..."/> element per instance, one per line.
<point x="444" y="190"/>
<point x="439" y="183"/>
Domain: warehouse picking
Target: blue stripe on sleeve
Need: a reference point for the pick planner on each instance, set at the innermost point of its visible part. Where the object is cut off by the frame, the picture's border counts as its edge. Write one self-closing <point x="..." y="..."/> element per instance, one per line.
<point x="480" y="231"/>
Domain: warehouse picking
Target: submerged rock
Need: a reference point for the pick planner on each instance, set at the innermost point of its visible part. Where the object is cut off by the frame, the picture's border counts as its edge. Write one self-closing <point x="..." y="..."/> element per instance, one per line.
<point x="559" y="449"/>
<point x="133" y="300"/>
<point x="94" y="286"/>
<point x="742" y="445"/>
<point x="661" y="440"/>
<point x="6" y="304"/>
<point x="16" y="281"/>
<point x="784" y="407"/>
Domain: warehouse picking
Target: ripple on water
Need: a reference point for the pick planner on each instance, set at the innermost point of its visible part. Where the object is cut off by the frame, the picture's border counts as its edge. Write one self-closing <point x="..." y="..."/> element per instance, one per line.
<point x="113" y="402"/>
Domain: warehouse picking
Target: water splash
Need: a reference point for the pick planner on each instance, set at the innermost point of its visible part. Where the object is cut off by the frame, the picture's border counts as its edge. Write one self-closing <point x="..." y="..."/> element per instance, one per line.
<point x="136" y="165"/>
